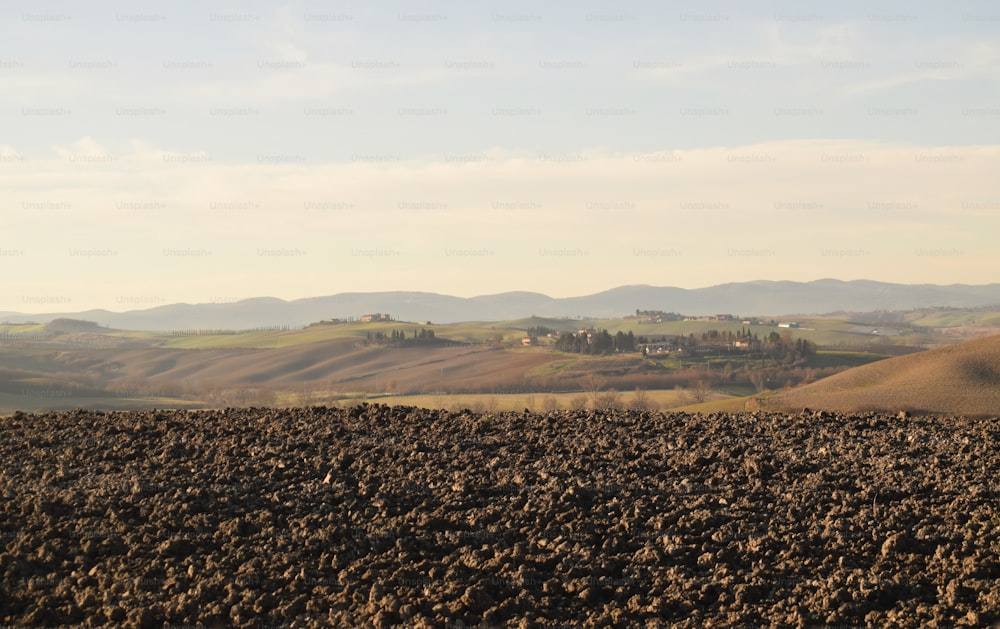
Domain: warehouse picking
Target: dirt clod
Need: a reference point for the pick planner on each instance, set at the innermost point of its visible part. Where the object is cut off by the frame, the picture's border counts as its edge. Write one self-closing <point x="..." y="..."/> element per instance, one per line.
<point x="378" y="516"/>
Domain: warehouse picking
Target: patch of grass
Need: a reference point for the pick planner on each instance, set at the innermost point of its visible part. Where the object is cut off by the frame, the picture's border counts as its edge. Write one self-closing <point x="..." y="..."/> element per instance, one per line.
<point x="9" y="403"/>
<point x="725" y="405"/>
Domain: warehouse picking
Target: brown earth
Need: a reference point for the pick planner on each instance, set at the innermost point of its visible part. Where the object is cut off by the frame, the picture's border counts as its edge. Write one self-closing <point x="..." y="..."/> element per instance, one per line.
<point x="338" y="365"/>
<point x="961" y="379"/>
<point x="375" y="516"/>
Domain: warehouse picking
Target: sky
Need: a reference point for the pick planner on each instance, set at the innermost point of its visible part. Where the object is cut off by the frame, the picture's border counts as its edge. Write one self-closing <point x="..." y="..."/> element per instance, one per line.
<point x="211" y="151"/>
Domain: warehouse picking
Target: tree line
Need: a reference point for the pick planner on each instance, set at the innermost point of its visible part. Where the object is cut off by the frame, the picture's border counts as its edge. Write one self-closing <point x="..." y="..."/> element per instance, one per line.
<point x="596" y="343"/>
<point x="399" y="338"/>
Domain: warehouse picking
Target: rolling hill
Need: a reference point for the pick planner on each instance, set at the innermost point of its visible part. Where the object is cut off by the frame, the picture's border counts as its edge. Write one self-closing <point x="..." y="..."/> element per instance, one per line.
<point x="744" y="298"/>
<point x="962" y="379"/>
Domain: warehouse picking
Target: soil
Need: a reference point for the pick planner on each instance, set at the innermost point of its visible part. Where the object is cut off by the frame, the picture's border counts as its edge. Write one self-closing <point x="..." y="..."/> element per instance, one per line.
<point x="378" y="516"/>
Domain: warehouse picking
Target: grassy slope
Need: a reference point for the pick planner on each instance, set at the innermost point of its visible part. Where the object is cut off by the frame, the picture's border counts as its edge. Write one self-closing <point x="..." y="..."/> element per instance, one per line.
<point x="958" y="379"/>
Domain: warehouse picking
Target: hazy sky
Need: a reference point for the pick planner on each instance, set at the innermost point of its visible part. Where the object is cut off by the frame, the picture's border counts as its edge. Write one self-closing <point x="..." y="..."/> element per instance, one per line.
<point x="157" y="152"/>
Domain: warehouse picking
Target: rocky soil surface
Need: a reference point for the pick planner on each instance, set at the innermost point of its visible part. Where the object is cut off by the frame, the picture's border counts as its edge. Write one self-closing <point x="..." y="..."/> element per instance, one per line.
<point x="377" y="516"/>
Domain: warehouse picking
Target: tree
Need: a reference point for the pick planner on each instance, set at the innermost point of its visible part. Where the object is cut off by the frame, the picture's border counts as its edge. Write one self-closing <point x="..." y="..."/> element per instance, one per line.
<point x="640" y="401"/>
<point x="594" y="384"/>
<point x="609" y="400"/>
<point x="701" y="391"/>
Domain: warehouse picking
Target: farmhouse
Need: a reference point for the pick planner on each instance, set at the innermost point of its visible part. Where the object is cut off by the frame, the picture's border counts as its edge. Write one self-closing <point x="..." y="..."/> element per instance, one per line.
<point x="378" y="316"/>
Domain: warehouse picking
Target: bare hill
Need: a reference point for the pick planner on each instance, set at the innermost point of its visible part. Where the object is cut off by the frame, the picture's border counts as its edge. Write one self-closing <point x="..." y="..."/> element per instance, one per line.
<point x="962" y="379"/>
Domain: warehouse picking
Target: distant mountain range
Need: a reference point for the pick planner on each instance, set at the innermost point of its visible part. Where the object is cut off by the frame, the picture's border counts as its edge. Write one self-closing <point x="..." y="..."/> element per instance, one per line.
<point x="755" y="298"/>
